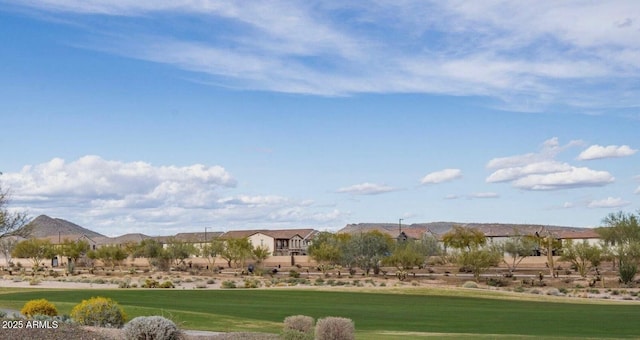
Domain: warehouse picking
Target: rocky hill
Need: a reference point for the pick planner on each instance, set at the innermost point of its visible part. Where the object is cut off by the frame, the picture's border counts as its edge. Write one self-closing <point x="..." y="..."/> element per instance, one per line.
<point x="45" y="226"/>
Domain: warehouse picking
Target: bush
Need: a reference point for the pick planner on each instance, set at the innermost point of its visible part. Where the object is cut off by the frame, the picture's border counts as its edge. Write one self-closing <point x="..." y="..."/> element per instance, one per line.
<point x="553" y="292"/>
<point x="39" y="307"/>
<point x="298" y="327"/>
<point x="470" y="284"/>
<point x="252" y="283"/>
<point x="335" y="328"/>
<point x="99" y="311"/>
<point x="228" y="284"/>
<point x="300" y="323"/>
<point x="627" y="271"/>
<point x="151" y="327"/>
<point x="167" y="284"/>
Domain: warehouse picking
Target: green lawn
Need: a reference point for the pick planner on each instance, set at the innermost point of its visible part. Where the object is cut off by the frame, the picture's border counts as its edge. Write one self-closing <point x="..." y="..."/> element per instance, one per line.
<point x="381" y="315"/>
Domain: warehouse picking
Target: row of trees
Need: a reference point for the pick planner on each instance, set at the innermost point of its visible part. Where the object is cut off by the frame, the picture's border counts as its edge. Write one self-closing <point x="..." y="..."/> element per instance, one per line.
<point x="469" y="249"/>
<point x="175" y="254"/>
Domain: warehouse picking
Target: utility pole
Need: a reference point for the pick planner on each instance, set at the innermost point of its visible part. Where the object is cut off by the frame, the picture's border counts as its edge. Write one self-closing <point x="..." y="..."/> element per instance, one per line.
<point x="400" y="226"/>
<point x="205" y="234"/>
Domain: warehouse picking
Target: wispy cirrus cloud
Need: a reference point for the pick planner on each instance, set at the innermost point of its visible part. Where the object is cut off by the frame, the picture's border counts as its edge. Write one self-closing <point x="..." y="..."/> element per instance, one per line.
<point x="576" y="54"/>
<point x="366" y="189"/>
<point x="610" y="151"/>
<point x="540" y="171"/>
<point x="441" y="176"/>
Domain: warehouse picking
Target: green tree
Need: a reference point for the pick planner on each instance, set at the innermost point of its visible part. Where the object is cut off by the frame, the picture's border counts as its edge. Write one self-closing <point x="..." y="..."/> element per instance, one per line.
<point x="154" y="252"/>
<point x="621" y="232"/>
<point x="12" y="223"/>
<point x="464" y="238"/>
<point x="179" y="251"/>
<point x="369" y="249"/>
<point x="518" y="248"/>
<point x="325" y="250"/>
<point x="479" y="259"/>
<point x="74" y="249"/>
<point x="260" y="253"/>
<point x="237" y="251"/>
<point x="110" y="255"/>
<point x="34" y="249"/>
<point x="211" y="250"/>
<point x="472" y="252"/>
<point x="405" y="256"/>
<point x="582" y="256"/>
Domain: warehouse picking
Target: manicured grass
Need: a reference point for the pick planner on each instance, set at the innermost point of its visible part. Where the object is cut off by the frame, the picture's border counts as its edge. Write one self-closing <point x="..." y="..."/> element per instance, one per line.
<point x="374" y="313"/>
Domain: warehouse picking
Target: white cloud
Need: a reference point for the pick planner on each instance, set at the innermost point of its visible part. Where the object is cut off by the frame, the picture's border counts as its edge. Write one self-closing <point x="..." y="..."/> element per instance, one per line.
<point x="568" y="53"/>
<point x="608" y="202"/>
<point x="366" y="189"/>
<point x="611" y="151"/>
<point x="253" y="200"/>
<point x="484" y="195"/>
<point x="568" y="205"/>
<point x="91" y="177"/>
<point x="441" y="176"/>
<point x="540" y="170"/>
<point x="452" y="197"/>
<point x="573" y="178"/>
<point x="114" y="197"/>
<point x="637" y="191"/>
<point x="510" y="174"/>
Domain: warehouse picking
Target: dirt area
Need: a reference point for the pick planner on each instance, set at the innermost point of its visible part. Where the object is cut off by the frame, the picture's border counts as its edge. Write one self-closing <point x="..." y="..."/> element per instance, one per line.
<point x="526" y="281"/>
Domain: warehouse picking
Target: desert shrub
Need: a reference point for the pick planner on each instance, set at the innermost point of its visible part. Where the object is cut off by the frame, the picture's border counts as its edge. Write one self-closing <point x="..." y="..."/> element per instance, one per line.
<point x="201" y="285"/>
<point x="563" y="290"/>
<point x="3" y="314"/>
<point x="470" y="284"/>
<point x="150" y="283"/>
<point x="319" y="281"/>
<point x="39" y="307"/>
<point x="166" y="284"/>
<point x="300" y="323"/>
<point x="252" y="283"/>
<point x="335" y="328"/>
<point x="124" y="284"/>
<point x="294" y="273"/>
<point x="518" y="289"/>
<point x="627" y="271"/>
<point x="211" y="281"/>
<point x="34" y="282"/>
<point x="298" y="327"/>
<point x="497" y="282"/>
<point x="99" y="311"/>
<point x="228" y="284"/>
<point x="151" y="328"/>
<point x="553" y="292"/>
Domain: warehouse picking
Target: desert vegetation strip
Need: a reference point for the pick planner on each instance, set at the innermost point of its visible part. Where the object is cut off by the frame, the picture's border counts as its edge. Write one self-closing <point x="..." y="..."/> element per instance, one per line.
<point x="264" y="310"/>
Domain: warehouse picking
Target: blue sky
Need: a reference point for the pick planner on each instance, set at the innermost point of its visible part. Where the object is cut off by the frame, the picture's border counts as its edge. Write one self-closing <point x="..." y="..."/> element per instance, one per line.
<point x="169" y="116"/>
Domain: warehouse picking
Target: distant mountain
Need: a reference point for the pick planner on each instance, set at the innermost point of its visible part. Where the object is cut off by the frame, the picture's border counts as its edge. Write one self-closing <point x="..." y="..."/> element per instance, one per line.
<point x="439" y="228"/>
<point x="45" y="226"/>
